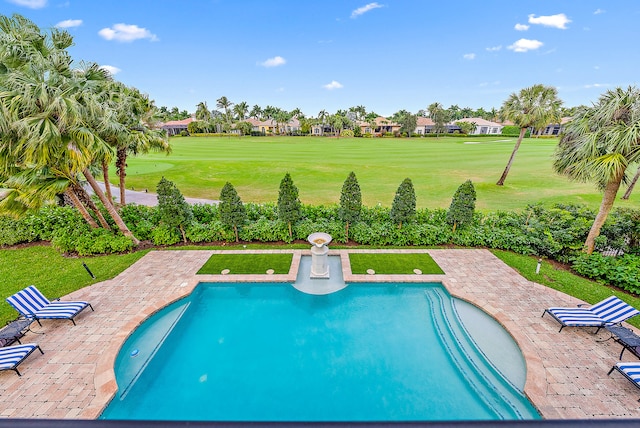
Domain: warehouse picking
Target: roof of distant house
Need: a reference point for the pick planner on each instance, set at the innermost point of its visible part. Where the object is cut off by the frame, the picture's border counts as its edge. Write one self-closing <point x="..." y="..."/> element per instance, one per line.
<point x="178" y="122"/>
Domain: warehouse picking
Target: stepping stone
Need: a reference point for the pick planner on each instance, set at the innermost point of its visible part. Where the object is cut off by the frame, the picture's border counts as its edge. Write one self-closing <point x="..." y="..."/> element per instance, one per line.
<point x="371" y="271"/>
<point x="417" y="271"/>
<point x="270" y="271"/>
<point x="225" y="271"/>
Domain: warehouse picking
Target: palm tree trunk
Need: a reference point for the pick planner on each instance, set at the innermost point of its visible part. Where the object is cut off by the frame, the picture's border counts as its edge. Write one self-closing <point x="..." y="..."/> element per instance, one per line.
<point x="86" y="199"/>
<point x="121" y="168"/>
<point x="105" y="176"/>
<point x="632" y="185"/>
<point x="513" y="155"/>
<point x="109" y="206"/>
<point x="76" y="202"/>
<point x="608" y="198"/>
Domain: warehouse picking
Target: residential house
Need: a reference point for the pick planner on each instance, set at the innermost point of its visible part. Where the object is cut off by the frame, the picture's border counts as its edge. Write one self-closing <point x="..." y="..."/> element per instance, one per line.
<point x="382" y="126"/>
<point x="270" y="126"/>
<point x="483" y="126"/>
<point x="424" y="125"/>
<point x="555" y="129"/>
<point x="175" y="127"/>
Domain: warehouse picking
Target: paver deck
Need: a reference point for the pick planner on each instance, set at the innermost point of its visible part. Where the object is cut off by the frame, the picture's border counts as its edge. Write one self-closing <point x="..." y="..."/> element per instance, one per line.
<point x="566" y="372"/>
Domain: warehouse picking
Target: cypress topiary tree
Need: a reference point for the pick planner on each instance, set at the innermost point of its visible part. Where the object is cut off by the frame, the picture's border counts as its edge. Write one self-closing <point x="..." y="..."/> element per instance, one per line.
<point x="173" y="209"/>
<point x="350" y="202"/>
<point x="288" y="203"/>
<point x="404" y="203"/>
<point x="462" y="205"/>
<point x="231" y="209"/>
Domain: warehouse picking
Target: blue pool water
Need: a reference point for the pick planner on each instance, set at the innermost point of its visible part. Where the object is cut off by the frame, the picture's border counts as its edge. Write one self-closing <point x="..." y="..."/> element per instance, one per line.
<point x="266" y="352"/>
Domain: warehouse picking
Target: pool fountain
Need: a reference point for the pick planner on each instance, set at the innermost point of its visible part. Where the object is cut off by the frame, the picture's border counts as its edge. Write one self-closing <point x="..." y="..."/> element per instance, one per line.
<point x="319" y="250"/>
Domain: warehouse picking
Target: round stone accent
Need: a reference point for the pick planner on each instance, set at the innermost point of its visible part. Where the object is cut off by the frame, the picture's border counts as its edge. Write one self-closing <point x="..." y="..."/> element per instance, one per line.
<point x="417" y="271"/>
<point x="270" y="271"/>
<point x="225" y="271"/>
<point x="371" y="271"/>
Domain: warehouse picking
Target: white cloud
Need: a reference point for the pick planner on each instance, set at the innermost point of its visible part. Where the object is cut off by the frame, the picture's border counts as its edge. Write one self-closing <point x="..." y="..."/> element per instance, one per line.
<point x="524" y="45"/>
<point x="469" y="56"/>
<point x="599" y="11"/>
<point x="31" y="4"/>
<point x="364" y="9"/>
<point x="597" y="85"/>
<point x="111" y="69"/>
<point x="557" y="21"/>
<point x="333" y="85"/>
<point x="126" y="33"/>
<point x="274" y="62"/>
<point x="69" y="23"/>
<point x="521" y="27"/>
<point x="494" y="48"/>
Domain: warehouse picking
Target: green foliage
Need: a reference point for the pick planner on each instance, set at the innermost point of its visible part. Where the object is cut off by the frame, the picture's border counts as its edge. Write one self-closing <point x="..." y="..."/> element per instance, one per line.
<point x="404" y="203"/>
<point x="288" y="203"/>
<point x="622" y="272"/>
<point x="462" y="205"/>
<point x="210" y="231"/>
<point x="347" y="133"/>
<point x="174" y="211"/>
<point x="513" y="131"/>
<point x="165" y="235"/>
<point x="350" y="202"/>
<point x="231" y="209"/>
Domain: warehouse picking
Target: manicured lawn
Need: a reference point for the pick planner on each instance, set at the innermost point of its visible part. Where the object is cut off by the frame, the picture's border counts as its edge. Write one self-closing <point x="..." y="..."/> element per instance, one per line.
<point x="393" y="263"/>
<point x="247" y="263"/>
<point x="53" y="274"/>
<point x="255" y="165"/>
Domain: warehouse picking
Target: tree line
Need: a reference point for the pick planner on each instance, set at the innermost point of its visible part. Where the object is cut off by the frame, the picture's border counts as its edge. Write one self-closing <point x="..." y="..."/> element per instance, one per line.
<point x="63" y="123"/>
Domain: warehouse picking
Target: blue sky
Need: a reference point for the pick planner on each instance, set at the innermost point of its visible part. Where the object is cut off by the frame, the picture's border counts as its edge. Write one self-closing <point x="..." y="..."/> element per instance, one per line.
<point x="333" y="54"/>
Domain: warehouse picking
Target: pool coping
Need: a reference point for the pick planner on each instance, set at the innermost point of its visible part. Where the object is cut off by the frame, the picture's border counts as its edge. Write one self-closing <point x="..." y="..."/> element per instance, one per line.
<point x="566" y="372"/>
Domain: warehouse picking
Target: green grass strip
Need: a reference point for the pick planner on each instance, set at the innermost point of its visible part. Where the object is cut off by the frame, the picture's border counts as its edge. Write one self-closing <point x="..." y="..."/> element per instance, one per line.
<point x="384" y="263"/>
<point x="53" y="274"/>
<point x="565" y="281"/>
<point x="247" y="263"/>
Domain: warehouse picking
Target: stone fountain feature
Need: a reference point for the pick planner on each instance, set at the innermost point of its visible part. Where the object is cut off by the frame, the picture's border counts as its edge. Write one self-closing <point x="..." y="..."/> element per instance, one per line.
<point x="319" y="249"/>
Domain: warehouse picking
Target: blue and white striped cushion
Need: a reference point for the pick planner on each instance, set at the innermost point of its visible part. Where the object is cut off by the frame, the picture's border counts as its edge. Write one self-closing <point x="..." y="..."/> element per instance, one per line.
<point x="31" y="303"/>
<point x="576" y="317"/>
<point x="630" y="370"/>
<point x="614" y="310"/>
<point x="11" y="356"/>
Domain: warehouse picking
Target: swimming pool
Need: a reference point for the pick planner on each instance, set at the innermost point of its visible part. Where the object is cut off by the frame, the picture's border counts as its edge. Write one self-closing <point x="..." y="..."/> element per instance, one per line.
<point x="266" y="352"/>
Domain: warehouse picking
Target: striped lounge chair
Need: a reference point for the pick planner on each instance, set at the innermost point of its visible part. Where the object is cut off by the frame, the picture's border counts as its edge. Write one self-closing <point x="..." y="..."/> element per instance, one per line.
<point x="607" y="312"/>
<point x="12" y="356"/>
<point x="629" y="370"/>
<point x="31" y="303"/>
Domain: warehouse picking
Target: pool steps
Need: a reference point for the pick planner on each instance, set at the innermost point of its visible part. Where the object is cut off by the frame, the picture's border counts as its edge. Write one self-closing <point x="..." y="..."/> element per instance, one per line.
<point x="481" y="375"/>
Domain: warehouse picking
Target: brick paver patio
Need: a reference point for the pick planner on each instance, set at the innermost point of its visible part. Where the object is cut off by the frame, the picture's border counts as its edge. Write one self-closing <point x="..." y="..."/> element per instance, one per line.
<point x="566" y="372"/>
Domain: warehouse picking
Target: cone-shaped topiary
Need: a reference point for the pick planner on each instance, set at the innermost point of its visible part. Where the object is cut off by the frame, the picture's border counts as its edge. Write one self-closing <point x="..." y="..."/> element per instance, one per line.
<point x="350" y="202"/>
<point x="174" y="210"/>
<point x="404" y="203"/>
<point x="231" y="209"/>
<point x="462" y="205"/>
<point x="289" y="209"/>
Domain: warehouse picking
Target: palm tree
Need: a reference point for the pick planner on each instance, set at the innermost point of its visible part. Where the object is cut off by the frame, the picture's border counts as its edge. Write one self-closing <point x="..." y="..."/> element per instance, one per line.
<point x="535" y="106"/>
<point x="224" y="104"/>
<point x="202" y="111"/>
<point x="241" y="110"/>
<point x="598" y="145"/>
<point x="53" y="118"/>
<point x="440" y="117"/>
<point x="256" y="112"/>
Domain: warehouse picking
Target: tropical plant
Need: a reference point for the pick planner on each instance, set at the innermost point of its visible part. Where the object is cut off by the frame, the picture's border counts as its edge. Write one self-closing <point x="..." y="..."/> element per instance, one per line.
<point x="53" y="120"/>
<point x="403" y="208"/>
<point x="174" y="211"/>
<point x="231" y="209"/>
<point x="462" y="205"/>
<point x="535" y="106"/>
<point x="202" y="112"/>
<point x="598" y="145"/>
<point x="440" y="117"/>
<point x="289" y="207"/>
<point x="350" y="202"/>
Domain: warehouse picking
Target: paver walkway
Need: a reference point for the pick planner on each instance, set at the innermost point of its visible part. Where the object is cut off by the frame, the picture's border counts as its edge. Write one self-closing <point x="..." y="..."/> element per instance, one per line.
<point x="566" y="372"/>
